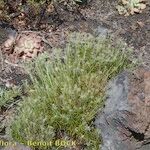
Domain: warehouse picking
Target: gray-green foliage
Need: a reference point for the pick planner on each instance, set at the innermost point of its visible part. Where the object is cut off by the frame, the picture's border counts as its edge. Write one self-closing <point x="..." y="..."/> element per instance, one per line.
<point x="7" y="96"/>
<point x="67" y="92"/>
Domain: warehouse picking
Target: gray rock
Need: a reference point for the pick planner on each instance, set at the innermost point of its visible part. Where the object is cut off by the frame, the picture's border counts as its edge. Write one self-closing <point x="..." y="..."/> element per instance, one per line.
<point x="101" y="31"/>
<point x="110" y="119"/>
<point x="122" y="125"/>
<point x="6" y="32"/>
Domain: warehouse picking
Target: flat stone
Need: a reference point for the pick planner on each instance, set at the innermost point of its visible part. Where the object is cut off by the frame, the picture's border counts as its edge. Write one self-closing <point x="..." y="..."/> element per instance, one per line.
<point x="125" y="120"/>
<point x="101" y="31"/>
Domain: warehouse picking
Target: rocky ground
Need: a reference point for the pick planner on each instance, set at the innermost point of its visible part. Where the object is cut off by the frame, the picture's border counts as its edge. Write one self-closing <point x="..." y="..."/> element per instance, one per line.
<point x="98" y="18"/>
<point x="125" y="121"/>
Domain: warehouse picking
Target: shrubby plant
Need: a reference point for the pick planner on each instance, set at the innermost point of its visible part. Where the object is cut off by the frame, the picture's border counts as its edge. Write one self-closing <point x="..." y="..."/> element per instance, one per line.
<point x="67" y="91"/>
<point x="7" y="96"/>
